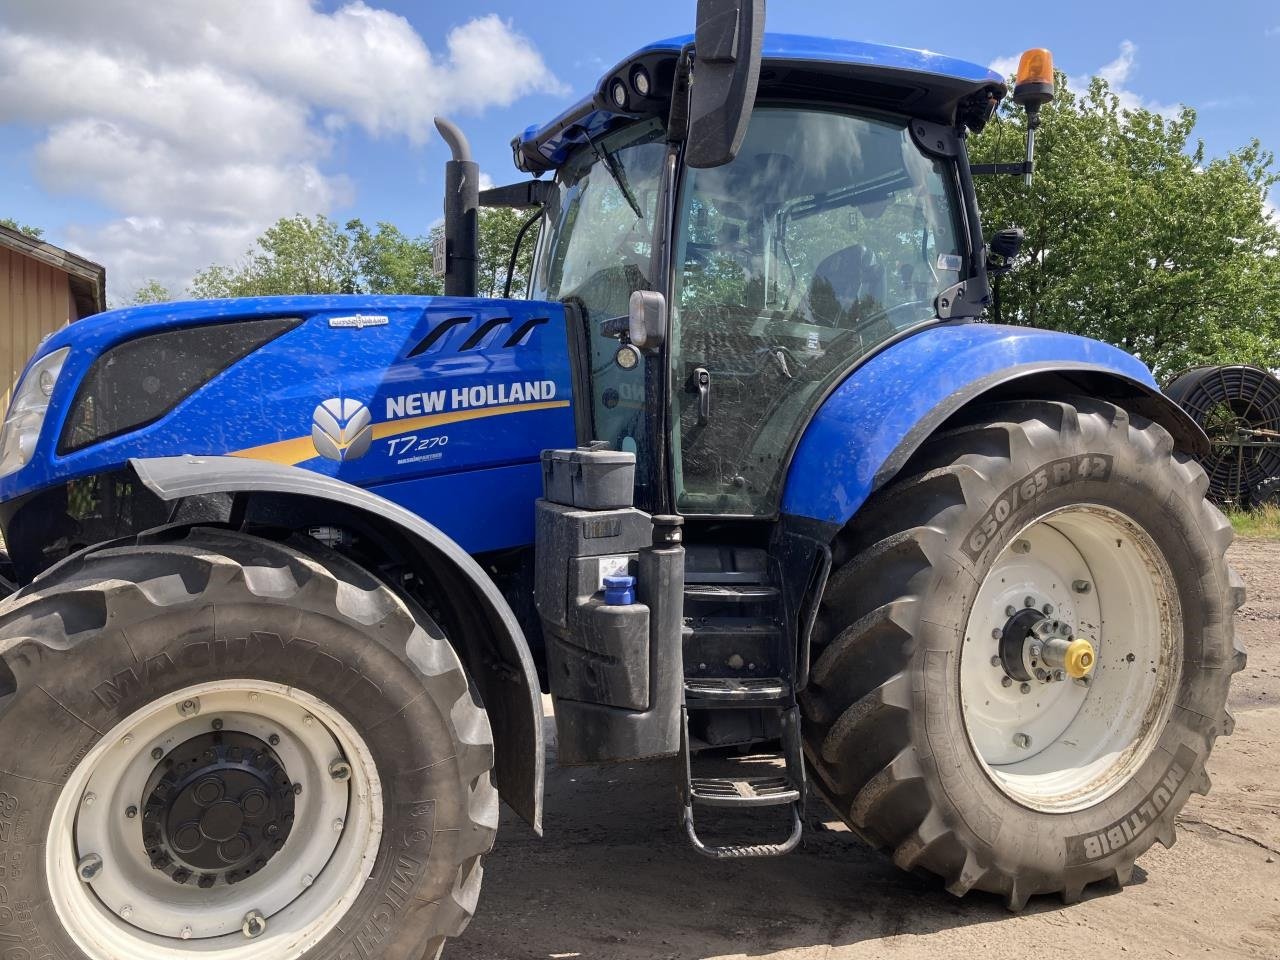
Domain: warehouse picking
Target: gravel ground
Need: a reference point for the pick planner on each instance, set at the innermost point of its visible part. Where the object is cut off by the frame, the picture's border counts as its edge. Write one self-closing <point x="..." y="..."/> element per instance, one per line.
<point x="614" y="878"/>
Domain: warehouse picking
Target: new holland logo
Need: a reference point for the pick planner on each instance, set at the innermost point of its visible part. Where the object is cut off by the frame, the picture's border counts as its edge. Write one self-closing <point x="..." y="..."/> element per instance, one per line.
<point x="359" y="321"/>
<point x="342" y="430"/>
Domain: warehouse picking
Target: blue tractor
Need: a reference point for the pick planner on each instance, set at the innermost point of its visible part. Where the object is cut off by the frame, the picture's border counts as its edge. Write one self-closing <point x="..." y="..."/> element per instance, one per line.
<point x="746" y="474"/>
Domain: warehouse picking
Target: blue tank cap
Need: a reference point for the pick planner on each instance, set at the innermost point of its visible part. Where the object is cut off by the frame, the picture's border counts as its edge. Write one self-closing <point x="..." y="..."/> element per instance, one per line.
<point x="619" y="591"/>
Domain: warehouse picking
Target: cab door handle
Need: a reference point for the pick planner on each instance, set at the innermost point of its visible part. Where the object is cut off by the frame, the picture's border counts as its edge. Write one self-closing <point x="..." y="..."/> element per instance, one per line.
<point x="701" y="383"/>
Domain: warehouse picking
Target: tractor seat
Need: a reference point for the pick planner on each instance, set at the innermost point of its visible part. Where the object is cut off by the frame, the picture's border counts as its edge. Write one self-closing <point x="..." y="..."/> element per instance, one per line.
<point x="843" y="284"/>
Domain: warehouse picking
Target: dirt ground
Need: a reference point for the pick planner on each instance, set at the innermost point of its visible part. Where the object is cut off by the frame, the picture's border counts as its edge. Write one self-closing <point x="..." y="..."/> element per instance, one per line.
<point x="614" y="878"/>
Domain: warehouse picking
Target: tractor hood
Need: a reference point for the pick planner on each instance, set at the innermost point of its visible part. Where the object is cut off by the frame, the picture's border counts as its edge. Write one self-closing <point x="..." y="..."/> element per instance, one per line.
<point x="378" y="391"/>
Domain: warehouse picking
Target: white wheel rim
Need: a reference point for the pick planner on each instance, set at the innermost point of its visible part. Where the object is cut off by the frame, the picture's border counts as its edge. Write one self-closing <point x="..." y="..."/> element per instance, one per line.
<point x="131" y="911"/>
<point x="1061" y="746"/>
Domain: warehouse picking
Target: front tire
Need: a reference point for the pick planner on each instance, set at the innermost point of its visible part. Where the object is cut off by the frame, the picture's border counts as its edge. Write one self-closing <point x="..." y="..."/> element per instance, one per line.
<point x="1079" y="516"/>
<point x="217" y="744"/>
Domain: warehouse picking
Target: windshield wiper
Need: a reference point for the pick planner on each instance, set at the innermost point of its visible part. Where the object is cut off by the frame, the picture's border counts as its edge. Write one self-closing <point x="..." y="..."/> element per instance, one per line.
<point x="619" y="177"/>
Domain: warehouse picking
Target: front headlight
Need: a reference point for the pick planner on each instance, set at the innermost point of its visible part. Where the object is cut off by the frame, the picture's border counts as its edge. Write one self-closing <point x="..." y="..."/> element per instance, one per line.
<point x="27" y="412"/>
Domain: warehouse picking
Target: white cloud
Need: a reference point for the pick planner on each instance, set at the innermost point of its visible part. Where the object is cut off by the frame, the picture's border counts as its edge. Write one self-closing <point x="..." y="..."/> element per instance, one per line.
<point x="1005" y="66"/>
<point x="1117" y="73"/>
<point x="199" y="122"/>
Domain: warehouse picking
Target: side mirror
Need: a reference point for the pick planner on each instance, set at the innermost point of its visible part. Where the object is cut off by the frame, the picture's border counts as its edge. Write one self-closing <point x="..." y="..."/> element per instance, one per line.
<point x="726" y="74"/>
<point x="643" y="330"/>
<point x="1005" y="246"/>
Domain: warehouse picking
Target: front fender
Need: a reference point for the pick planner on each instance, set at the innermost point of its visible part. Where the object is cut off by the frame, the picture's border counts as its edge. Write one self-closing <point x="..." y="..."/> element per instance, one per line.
<point x="868" y="427"/>
<point x="498" y="659"/>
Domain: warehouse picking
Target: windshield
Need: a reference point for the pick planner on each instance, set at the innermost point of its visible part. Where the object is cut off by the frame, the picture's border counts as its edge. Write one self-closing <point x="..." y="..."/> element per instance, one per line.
<point x="828" y="234"/>
<point x="597" y="249"/>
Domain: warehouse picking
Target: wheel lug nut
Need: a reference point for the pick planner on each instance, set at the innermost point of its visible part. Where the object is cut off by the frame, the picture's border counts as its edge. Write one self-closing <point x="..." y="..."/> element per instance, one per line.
<point x="274" y="739"/>
<point x="1081" y="586"/>
<point x="89" y="867"/>
<point x="338" y="825"/>
<point x="1021" y="741"/>
<point x="255" y="924"/>
<point x="308" y="879"/>
<point x="995" y="661"/>
<point x="126" y="912"/>
<point x="189" y="708"/>
<point x="131" y="813"/>
<point x="157" y="753"/>
<point x="1006" y="681"/>
<point x="89" y="799"/>
<point x="217" y="724"/>
<point x="997" y="634"/>
<point x="1021" y="546"/>
<point x="1048" y="609"/>
<point x="1025" y="688"/>
<point x="1009" y="611"/>
<point x="1028" y="602"/>
<point x="1059" y="675"/>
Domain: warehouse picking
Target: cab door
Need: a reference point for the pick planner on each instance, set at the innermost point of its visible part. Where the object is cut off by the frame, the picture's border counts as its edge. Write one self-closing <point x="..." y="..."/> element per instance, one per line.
<point x="829" y="235"/>
<point x="597" y="248"/>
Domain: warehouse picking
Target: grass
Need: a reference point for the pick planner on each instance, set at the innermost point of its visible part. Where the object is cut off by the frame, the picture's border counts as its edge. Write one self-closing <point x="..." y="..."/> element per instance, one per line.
<point x="1263" y="522"/>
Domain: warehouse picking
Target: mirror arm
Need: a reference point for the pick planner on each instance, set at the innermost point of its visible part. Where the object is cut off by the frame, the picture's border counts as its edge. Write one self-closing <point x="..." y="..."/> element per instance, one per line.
<point x="519" y="196"/>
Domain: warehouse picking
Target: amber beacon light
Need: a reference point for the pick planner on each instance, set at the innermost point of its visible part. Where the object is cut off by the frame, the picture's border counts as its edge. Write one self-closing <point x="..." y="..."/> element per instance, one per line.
<point x="1032" y="90"/>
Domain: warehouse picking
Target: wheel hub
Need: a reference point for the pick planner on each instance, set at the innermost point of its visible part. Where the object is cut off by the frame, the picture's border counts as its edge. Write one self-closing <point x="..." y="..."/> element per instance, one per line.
<point x="179" y="826"/>
<point x="1034" y="645"/>
<point x="217" y="807"/>
<point x="1070" y="658"/>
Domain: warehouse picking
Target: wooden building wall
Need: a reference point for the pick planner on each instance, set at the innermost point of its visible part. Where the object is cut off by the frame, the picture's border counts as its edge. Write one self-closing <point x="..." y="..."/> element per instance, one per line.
<point x="35" y="300"/>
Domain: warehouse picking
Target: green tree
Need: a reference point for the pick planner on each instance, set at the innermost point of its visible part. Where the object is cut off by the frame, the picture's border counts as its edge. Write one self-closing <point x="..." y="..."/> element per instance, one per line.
<point x="295" y="255"/>
<point x="388" y="261"/>
<point x="314" y="255"/>
<point x="34" y="232"/>
<point x="1135" y="236"/>
<point x="153" y="291"/>
<point x="499" y="228"/>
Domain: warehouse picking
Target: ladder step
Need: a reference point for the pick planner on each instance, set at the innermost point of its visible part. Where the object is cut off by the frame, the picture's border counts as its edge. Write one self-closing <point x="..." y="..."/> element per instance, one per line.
<point x="747" y="692"/>
<point x="749" y="792"/>
<point x="788" y="790"/>
<point x="737" y="851"/>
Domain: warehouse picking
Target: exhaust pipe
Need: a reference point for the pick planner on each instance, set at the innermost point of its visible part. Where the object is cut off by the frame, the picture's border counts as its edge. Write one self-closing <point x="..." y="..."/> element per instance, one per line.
<point x="461" y="213"/>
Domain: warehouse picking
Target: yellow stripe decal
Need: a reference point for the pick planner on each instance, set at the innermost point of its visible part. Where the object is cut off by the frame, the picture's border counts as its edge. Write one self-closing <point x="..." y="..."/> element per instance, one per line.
<point x="300" y="449"/>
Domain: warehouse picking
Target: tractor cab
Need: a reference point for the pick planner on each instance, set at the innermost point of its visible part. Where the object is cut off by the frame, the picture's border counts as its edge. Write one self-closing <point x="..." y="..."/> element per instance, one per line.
<point x="841" y="220"/>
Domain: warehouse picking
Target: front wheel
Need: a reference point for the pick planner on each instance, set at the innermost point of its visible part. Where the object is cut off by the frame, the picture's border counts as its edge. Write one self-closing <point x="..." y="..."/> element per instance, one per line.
<point x="215" y="745"/>
<point x="1022" y="659"/>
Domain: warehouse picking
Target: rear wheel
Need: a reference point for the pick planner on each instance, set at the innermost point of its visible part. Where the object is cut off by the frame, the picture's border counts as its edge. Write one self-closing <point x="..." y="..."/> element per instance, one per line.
<point x="215" y="745"/>
<point x="1022" y="659"/>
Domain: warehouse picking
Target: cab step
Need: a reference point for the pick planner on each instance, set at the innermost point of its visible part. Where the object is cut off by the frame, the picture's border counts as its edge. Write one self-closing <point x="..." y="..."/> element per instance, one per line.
<point x="710" y="693"/>
<point x="747" y="792"/>
<point x="722" y="593"/>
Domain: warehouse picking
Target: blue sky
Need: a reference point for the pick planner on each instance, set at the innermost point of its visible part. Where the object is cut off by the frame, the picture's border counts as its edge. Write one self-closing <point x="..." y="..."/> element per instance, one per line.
<point x="157" y="142"/>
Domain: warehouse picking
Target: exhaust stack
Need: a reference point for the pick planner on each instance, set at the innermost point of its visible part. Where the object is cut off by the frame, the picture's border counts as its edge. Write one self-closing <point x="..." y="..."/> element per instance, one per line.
<point x="461" y="214"/>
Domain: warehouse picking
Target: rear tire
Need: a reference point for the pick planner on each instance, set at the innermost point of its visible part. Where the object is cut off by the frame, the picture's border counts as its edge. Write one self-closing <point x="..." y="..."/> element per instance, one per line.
<point x="893" y="729"/>
<point x="162" y="698"/>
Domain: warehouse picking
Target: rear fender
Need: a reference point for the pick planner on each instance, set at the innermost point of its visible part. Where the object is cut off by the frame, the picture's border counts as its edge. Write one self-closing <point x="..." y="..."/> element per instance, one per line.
<point x="871" y="424"/>
<point x="484" y="631"/>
